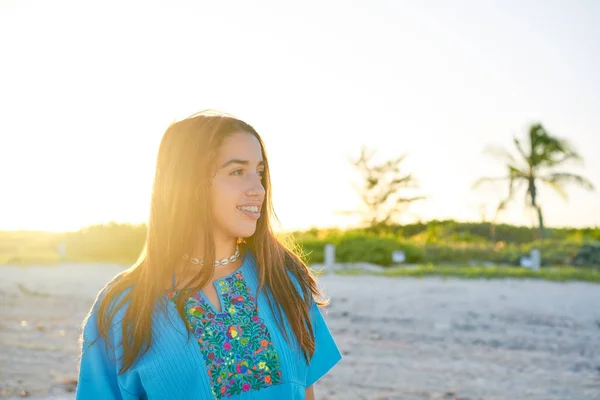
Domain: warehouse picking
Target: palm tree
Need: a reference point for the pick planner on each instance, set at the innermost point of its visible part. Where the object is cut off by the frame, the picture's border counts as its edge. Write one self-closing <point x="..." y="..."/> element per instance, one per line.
<point x="536" y="164"/>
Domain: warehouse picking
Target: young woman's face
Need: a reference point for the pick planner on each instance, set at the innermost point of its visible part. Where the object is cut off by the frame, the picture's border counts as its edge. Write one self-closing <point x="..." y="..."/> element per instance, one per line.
<point x="237" y="191"/>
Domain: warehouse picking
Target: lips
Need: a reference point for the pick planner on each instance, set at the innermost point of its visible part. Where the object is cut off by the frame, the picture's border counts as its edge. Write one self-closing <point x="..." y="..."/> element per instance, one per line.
<point x="250" y="214"/>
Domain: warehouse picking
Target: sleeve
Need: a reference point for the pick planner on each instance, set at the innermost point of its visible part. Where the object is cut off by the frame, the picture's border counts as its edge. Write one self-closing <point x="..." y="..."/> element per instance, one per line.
<point x="326" y="353"/>
<point x="98" y="368"/>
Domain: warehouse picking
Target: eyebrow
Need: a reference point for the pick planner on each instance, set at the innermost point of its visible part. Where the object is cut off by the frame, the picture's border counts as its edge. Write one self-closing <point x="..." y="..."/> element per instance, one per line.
<point x="238" y="161"/>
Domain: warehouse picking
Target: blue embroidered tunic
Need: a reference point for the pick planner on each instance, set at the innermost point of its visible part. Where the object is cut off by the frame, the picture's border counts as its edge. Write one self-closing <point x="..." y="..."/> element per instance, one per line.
<point x="238" y="354"/>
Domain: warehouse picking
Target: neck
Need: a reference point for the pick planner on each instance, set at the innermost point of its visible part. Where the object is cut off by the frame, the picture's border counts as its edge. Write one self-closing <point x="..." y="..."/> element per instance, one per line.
<point x="224" y="248"/>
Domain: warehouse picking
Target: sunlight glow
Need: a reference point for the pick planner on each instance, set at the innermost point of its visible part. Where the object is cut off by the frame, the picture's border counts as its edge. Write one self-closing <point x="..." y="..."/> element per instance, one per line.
<point x="87" y="91"/>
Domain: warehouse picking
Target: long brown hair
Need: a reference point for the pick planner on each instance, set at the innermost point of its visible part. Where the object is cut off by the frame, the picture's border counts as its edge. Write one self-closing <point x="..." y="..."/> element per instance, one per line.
<point x="179" y="212"/>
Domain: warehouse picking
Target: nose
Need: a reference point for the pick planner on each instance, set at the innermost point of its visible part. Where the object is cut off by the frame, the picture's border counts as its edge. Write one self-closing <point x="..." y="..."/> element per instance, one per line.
<point x="256" y="188"/>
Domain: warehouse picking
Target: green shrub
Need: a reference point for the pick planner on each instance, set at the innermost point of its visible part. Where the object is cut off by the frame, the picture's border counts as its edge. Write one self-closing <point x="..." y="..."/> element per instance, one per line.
<point x="357" y="247"/>
<point x="120" y="243"/>
<point x="313" y="249"/>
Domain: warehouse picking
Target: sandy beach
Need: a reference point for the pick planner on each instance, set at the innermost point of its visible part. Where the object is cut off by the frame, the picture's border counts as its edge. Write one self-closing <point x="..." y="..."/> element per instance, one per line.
<point x="401" y="338"/>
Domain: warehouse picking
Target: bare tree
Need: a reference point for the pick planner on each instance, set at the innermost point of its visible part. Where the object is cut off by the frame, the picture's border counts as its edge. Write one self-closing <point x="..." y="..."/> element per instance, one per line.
<point x="381" y="191"/>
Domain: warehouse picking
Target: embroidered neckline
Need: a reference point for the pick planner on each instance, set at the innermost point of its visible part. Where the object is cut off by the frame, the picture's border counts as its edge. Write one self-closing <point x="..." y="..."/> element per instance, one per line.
<point x="172" y="290"/>
<point x="235" y="344"/>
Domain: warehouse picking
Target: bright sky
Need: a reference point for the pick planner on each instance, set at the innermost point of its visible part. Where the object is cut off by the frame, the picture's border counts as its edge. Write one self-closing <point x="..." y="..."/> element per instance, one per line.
<point x="86" y="92"/>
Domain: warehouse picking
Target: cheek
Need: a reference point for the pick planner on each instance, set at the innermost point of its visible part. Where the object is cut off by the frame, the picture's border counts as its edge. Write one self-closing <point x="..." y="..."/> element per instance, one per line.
<point x="223" y="198"/>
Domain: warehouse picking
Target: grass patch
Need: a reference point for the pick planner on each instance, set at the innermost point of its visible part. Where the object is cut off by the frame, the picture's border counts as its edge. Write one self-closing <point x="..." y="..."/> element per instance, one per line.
<point x="557" y="274"/>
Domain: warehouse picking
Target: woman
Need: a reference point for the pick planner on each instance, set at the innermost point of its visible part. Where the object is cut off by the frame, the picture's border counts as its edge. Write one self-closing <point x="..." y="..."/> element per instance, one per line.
<point x="216" y="306"/>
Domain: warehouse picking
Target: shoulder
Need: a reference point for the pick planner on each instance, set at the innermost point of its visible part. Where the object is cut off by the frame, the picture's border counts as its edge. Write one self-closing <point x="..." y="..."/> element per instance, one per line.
<point x="111" y="300"/>
<point x="298" y="274"/>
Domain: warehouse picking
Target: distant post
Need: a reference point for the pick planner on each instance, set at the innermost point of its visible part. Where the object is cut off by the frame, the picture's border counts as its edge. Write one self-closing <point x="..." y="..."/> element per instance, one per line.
<point x="62" y="250"/>
<point x="398" y="257"/>
<point x="329" y="258"/>
<point x="536" y="259"/>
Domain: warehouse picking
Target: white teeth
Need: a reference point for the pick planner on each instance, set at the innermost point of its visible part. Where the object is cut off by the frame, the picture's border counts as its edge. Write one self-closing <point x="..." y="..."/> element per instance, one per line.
<point x="249" y="208"/>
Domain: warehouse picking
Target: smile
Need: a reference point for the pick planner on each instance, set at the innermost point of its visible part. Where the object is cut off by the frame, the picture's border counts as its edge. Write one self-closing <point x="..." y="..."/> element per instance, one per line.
<point x="252" y="209"/>
<point x="251" y="212"/>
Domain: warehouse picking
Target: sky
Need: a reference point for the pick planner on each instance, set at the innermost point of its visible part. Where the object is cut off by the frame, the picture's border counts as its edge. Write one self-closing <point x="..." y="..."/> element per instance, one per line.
<point x="88" y="88"/>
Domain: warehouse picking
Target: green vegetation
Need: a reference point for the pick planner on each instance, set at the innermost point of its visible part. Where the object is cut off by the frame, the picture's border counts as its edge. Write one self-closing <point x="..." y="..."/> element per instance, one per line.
<point x="29" y="247"/>
<point x="557" y="274"/>
<point x="447" y="242"/>
<point x="442" y="248"/>
<point x="111" y="243"/>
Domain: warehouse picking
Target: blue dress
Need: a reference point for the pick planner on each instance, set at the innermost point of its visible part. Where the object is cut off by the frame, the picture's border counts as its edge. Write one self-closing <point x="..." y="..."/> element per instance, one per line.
<point x="238" y="353"/>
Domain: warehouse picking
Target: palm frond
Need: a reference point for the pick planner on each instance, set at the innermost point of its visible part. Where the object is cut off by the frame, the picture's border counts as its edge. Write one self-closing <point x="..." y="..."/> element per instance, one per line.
<point x="513" y="186"/>
<point x="563" y="178"/>
<point x="561" y="159"/>
<point x="500" y="153"/>
<point x="521" y="151"/>
<point x="549" y="150"/>
<point x="409" y="199"/>
<point x="557" y="188"/>
<point x="502" y="205"/>
<point x="481" y="181"/>
<point x="560" y="152"/>
<point x="514" y="172"/>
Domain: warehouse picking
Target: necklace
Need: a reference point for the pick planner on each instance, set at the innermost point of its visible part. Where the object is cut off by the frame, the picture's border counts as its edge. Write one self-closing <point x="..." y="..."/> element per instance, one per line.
<point x="217" y="263"/>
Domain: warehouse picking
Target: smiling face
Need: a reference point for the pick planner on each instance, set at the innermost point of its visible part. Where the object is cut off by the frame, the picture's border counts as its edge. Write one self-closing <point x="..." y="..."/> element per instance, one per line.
<point x="237" y="192"/>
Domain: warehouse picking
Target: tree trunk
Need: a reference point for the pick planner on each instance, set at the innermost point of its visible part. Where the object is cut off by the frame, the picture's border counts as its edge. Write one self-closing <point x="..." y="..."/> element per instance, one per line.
<point x="534" y="204"/>
<point x="540" y="221"/>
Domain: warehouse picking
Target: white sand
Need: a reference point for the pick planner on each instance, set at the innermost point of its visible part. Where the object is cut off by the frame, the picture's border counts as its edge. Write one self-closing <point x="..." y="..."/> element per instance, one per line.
<point x="401" y="338"/>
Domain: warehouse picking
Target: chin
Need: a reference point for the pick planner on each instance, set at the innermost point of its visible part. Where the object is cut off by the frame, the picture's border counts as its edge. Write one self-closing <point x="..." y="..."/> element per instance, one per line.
<point x="244" y="231"/>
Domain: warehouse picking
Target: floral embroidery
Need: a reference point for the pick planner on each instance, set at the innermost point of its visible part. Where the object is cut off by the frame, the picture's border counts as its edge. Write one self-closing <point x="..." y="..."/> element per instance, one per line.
<point x="235" y="343"/>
